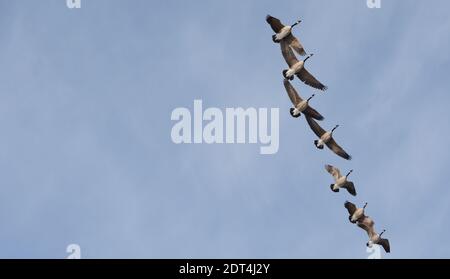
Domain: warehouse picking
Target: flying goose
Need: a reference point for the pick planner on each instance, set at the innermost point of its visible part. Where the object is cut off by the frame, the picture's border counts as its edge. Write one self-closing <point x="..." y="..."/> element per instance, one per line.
<point x="326" y="138"/>
<point x="367" y="224"/>
<point x="340" y="181"/>
<point x="356" y="214"/>
<point x="285" y="33"/>
<point x="300" y="105"/>
<point x="297" y="68"/>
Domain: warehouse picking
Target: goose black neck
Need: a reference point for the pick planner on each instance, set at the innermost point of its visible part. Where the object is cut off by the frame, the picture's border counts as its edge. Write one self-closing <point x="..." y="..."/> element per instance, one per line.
<point x="296" y="23"/>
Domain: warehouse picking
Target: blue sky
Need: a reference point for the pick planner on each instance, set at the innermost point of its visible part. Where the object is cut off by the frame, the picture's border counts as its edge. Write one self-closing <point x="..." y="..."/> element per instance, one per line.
<point x="85" y="151"/>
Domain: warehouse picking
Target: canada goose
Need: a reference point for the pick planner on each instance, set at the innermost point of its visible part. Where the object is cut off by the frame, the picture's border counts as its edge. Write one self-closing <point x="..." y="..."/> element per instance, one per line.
<point x="340" y="181"/>
<point x="355" y="213"/>
<point x="298" y="68"/>
<point x="326" y="138"/>
<point x="300" y="105"/>
<point x="367" y="224"/>
<point x="284" y="33"/>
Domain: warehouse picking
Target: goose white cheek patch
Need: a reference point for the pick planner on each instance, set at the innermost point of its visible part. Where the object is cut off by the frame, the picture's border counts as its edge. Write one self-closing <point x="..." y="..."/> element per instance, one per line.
<point x="235" y="126"/>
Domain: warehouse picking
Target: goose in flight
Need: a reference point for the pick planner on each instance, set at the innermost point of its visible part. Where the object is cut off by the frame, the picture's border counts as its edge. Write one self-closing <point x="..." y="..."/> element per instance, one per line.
<point x="326" y="138"/>
<point x="356" y="214"/>
<point x="300" y="105"/>
<point x="297" y="68"/>
<point x="367" y="224"/>
<point x="285" y="33"/>
<point x="340" y="181"/>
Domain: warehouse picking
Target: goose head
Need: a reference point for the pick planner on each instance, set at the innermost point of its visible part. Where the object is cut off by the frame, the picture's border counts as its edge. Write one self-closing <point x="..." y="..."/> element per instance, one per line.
<point x="364" y="207"/>
<point x="382" y="233"/>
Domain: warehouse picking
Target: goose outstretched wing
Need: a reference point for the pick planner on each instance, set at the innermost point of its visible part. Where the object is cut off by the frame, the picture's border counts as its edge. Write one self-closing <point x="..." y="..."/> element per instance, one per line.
<point x="350" y="188"/>
<point x="351" y="207"/>
<point x="333" y="171"/>
<point x="313" y="113"/>
<point x="310" y="80"/>
<point x="275" y="23"/>
<point x="337" y="149"/>
<point x="292" y="93"/>
<point x="288" y="54"/>
<point x="367" y="224"/>
<point x="385" y="243"/>
<point x="295" y="44"/>
<point x="315" y="127"/>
